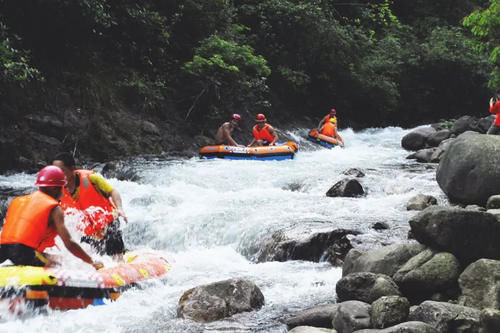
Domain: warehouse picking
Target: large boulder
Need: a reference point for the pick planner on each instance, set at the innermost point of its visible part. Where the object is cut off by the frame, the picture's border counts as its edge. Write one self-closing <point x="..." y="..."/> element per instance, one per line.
<point x="385" y="260"/>
<point x="468" y="234"/>
<point x="407" y="327"/>
<point x="318" y="316"/>
<point x="479" y="284"/>
<point x="352" y="316"/>
<point x="365" y="287"/>
<point x="469" y="171"/>
<point x="389" y="311"/>
<point x="417" y="139"/>
<point x="346" y="188"/>
<point x="440" y="150"/>
<point x="427" y="273"/>
<point x="490" y="320"/>
<point x="218" y="300"/>
<point x="485" y="123"/>
<point x="493" y="202"/>
<point x="447" y="317"/>
<point x="331" y="246"/>
<point x="424" y="155"/>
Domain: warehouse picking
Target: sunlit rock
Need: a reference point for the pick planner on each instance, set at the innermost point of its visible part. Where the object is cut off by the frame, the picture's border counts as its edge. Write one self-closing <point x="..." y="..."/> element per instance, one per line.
<point x="417" y="139"/>
<point x="479" y="284"/>
<point x="218" y="300"/>
<point x="311" y="329"/>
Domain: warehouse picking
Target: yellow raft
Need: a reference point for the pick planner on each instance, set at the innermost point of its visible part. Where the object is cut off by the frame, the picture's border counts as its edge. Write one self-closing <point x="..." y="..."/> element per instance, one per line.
<point x="71" y="289"/>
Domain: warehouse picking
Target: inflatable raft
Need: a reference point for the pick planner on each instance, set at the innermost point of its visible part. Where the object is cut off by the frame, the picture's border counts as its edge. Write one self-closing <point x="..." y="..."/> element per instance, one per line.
<point x="282" y="151"/>
<point x="72" y="289"/>
<point x="325" y="141"/>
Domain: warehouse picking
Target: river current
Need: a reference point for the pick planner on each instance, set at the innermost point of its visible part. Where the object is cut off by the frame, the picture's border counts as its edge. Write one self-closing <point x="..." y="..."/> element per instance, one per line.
<point x="209" y="217"/>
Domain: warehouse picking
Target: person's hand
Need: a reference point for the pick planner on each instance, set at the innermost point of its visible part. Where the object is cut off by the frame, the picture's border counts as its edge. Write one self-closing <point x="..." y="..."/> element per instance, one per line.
<point x="97" y="264"/>
<point x="241" y="146"/>
<point x="121" y="213"/>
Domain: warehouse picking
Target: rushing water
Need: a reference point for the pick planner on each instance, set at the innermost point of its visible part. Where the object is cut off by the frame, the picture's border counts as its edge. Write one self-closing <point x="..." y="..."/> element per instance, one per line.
<point x="209" y="217"/>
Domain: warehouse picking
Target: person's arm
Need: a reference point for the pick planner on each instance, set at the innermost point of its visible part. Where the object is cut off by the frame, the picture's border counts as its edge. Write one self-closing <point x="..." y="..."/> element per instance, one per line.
<point x="57" y="217"/>
<point x="251" y="143"/>
<point x="321" y="122"/>
<point x="494" y="107"/>
<point x="227" y="135"/>
<point x="273" y="133"/>
<point x="339" y="139"/>
<point x="117" y="201"/>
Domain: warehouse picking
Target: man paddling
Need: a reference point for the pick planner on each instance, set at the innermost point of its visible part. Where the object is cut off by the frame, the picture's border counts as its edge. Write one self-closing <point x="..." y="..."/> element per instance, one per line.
<point x="225" y="131"/>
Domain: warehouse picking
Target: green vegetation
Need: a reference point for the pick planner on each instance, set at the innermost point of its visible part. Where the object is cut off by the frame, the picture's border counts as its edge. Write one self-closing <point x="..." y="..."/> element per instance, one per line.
<point x="380" y="62"/>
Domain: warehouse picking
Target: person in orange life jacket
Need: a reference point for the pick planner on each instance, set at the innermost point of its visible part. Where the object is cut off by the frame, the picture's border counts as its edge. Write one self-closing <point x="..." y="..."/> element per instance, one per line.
<point x="495" y="109"/>
<point x="223" y="136"/>
<point x="34" y="220"/>
<point x="330" y="129"/>
<point x="89" y="193"/>
<point x="263" y="133"/>
<point x="332" y="114"/>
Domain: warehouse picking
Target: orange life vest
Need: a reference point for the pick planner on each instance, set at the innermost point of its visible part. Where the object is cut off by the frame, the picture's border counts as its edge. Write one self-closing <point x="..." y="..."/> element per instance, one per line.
<point x="329" y="129"/>
<point x="27" y="221"/>
<point x="263" y="134"/>
<point x="97" y="210"/>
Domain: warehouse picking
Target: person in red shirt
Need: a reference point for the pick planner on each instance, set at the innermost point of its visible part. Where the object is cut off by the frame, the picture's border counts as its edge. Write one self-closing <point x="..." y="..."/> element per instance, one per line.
<point x="325" y="119"/>
<point x="495" y="109"/>
<point x="263" y="133"/>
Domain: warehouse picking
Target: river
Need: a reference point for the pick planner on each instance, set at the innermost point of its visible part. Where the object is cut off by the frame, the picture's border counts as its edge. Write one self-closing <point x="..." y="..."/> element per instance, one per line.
<point x="208" y="218"/>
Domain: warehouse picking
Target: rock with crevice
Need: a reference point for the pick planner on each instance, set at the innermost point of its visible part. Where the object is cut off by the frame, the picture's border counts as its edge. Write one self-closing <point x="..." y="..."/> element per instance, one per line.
<point x="447" y="317"/>
<point x="407" y="327"/>
<point x="389" y="311"/>
<point x="352" y="316"/>
<point x="479" y="284"/>
<point x="318" y="316"/>
<point x="366" y="287"/>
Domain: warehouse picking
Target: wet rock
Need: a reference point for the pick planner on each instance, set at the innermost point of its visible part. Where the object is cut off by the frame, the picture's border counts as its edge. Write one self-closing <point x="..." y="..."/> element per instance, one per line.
<point x="436" y="138"/>
<point x="440" y="150"/>
<point x="417" y="139"/>
<point x="120" y="171"/>
<point x="447" y="317"/>
<point x="450" y="229"/>
<point x="479" y="284"/>
<point x="468" y="171"/>
<point x="420" y="202"/>
<point x="493" y="202"/>
<point x="423" y="155"/>
<point x="489" y="321"/>
<point x="218" y="300"/>
<point x="380" y="226"/>
<point x="355" y="172"/>
<point x="464" y="124"/>
<point x="389" y="311"/>
<point x="494" y="212"/>
<point x="427" y="273"/>
<point x="351" y="316"/>
<point x="386" y="260"/>
<point x="318" y="316"/>
<point x="310" y="329"/>
<point x="365" y="287"/>
<point x="475" y="207"/>
<point x="331" y="246"/>
<point x="408" y="327"/>
<point x="346" y="188"/>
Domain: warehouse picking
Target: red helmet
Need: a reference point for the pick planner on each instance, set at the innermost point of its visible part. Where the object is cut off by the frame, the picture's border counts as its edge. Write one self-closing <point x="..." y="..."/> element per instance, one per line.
<point x="260" y="117"/>
<point x="50" y="176"/>
<point x="236" y="116"/>
<point x="333" y="111"/>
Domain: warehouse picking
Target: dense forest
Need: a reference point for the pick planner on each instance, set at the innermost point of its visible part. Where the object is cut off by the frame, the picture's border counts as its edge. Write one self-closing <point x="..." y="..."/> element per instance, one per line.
<point x="189" y="64"/>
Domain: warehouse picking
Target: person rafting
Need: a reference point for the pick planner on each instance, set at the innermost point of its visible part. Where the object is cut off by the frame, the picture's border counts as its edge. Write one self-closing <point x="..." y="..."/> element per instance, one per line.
<point x="34" y="220"/>
<point x="332" y="114"/>
<point x="263" y="133"/>
<point x="99" y="203"/>
<point x="225" y="131"/>
<point x="495" y="109"/>
<point x="330" y="129"/>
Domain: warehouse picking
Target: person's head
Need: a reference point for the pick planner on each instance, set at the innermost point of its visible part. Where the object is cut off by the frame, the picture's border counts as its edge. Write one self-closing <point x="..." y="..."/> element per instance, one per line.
<point x="333" y="112"/>
<point x="50" y="180"/>
<point x="66" y="162"/>
<point x="260" y="119"/>
<point x="333" y="121"/>
<point x="235" y="119"/>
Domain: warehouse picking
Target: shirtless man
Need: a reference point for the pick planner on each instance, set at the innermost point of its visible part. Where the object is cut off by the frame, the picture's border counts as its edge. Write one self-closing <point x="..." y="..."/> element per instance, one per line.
<point x="223" y="136"/>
